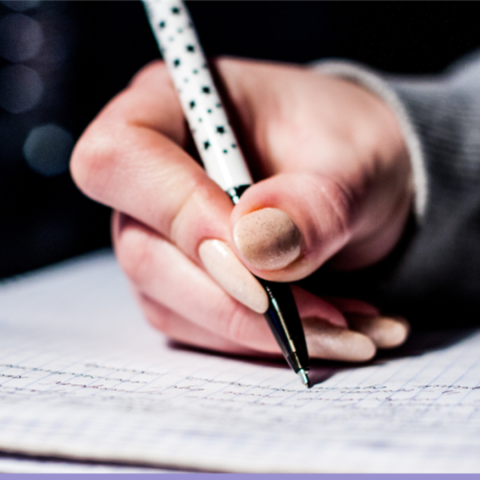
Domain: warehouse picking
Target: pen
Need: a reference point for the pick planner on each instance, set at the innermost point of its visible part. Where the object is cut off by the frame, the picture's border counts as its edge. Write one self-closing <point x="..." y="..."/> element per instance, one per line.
<point x="220" y="152"/>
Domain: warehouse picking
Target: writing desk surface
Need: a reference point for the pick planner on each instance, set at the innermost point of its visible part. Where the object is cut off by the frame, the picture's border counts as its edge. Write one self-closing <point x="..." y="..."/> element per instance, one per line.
<point x="83" y="376"/>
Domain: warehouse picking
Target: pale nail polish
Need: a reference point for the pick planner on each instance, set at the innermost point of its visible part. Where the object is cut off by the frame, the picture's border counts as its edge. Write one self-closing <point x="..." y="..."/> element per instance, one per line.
<point x="333" y="343"/>
<point x="385" y="332"/>
<point x="222" y="264"/>
<point x="268" y="239"/>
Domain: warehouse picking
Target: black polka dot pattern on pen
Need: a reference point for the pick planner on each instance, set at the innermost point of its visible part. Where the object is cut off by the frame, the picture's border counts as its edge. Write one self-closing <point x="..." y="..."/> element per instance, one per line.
<point x="189" y="70"/>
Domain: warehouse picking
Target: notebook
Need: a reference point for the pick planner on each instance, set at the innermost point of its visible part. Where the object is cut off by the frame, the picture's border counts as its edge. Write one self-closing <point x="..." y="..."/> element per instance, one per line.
<point x="84" y="377"/>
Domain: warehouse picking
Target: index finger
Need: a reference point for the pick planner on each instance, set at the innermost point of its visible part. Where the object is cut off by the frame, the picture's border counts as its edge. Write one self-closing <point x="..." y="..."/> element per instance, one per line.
<point x="131" y="159"/>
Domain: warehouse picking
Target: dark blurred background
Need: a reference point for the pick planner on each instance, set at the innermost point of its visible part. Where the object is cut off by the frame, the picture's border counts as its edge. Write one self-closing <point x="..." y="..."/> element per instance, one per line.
<point x="61" y="61"/>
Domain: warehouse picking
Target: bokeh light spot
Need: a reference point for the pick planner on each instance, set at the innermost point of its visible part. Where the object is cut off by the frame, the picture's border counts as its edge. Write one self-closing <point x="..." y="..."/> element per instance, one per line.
<point x="21" y="37"/>
<point x="21" y="88"/>
<point x="47" y="149"/>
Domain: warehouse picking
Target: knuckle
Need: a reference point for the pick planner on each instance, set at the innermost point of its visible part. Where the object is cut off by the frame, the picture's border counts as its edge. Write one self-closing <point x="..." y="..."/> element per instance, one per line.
<point x="195" y="204"/>
<point x="92" y="161"/>
<point x="78" y="160"/>
<point x="341" y="203"/>
<point x="95" y="155"/>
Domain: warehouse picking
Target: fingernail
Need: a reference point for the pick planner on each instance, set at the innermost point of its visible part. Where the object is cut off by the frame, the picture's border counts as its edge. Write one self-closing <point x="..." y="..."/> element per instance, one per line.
<point x="333" y="343"/>
<point x="268" y="239"/>
<point x="385" y="332"/>
<point x="222" y="264"/>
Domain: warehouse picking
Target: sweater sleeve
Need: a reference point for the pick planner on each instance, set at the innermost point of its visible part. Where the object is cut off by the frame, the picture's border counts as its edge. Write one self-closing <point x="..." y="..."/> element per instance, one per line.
<point x="434" y="275"/>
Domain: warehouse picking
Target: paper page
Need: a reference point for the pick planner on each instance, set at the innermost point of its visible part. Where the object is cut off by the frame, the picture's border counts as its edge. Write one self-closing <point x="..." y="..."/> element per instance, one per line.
<point x="16" y="464"/>
<point x="83" y="376"/>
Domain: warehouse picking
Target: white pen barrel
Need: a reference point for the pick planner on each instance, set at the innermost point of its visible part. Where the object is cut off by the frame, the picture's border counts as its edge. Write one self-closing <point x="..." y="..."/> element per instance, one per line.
<point x="215" y="140"/>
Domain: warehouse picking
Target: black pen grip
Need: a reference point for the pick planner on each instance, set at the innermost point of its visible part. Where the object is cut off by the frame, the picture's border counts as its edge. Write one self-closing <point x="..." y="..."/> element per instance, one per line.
<point x="284" y="321"/>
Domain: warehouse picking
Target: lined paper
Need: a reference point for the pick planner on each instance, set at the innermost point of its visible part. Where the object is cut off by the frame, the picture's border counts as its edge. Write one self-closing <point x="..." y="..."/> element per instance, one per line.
<point x="83" y="376"/>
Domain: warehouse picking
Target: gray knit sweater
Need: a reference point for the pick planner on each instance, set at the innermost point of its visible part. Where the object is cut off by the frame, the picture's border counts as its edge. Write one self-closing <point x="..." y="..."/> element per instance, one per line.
<point x="433" y="277"/>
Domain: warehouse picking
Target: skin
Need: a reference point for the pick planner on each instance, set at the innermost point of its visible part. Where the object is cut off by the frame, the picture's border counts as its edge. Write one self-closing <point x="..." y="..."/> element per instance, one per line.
<point x="327" y="152"/>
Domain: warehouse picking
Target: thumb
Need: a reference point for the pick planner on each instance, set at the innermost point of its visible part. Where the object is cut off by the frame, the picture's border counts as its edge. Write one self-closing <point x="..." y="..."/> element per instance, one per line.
<point x="287" y="226"/>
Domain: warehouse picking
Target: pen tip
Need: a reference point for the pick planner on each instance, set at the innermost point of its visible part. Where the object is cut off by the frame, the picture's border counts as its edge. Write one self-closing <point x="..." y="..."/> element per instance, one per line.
<point x="304" y="377"/>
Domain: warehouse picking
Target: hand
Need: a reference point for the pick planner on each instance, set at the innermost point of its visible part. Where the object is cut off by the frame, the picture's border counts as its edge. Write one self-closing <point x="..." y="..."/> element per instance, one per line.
<point x="337" y="187"/>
